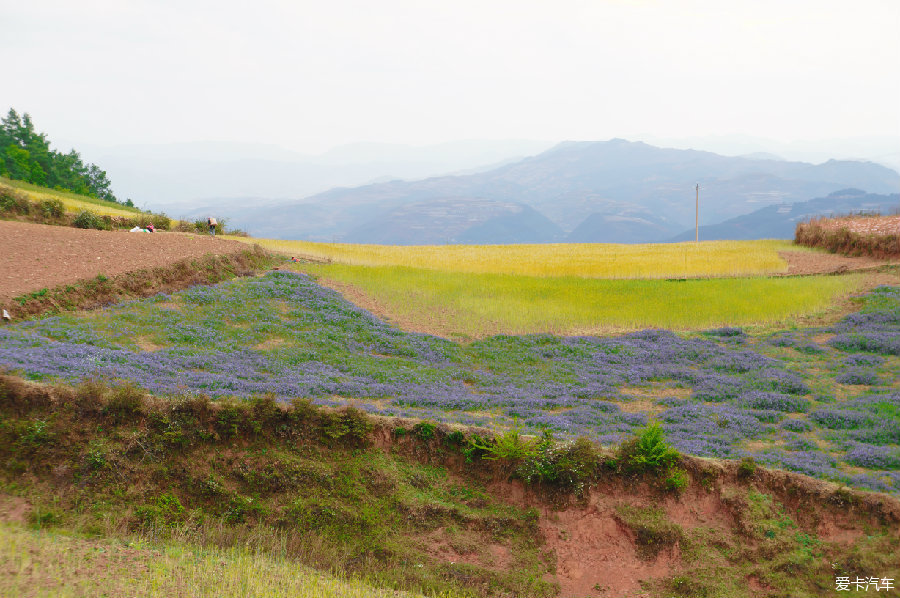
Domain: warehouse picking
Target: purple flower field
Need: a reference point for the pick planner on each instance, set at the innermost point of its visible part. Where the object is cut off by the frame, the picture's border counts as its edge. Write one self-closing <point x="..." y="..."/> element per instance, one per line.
<point x="824" y="402"/>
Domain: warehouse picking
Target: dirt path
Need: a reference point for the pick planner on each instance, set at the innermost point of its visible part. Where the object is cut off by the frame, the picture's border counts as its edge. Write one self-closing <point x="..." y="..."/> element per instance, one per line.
<point x="37" y="256"/>
<point x="808" y="262"/>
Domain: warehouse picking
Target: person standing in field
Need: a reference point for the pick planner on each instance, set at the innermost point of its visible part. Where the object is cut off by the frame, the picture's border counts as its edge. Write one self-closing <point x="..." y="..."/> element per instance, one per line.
<point x="212" y="225"/>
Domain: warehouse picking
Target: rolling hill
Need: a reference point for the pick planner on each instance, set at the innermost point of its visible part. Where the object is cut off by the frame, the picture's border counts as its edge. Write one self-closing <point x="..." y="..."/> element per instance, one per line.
<point x="586" y="189"/>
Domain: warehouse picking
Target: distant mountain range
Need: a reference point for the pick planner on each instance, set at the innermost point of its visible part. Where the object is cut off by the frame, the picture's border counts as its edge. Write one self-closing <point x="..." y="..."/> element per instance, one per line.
<point x="780" y="220"/>
<point x="604" y="191"/>
<point x="183" y="176"/>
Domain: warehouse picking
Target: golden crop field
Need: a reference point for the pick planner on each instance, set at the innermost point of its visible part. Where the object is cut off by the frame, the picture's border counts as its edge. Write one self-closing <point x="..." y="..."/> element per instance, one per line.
<point x="587" y="260"/>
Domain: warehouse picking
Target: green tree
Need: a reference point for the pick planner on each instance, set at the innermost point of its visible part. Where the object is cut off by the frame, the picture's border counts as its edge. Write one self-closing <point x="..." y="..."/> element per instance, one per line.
<point x="27" y="156"/>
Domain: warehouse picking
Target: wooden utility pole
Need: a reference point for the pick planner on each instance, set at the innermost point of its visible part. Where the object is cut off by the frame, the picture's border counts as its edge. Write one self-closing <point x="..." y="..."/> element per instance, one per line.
<point x="697" y="217"/>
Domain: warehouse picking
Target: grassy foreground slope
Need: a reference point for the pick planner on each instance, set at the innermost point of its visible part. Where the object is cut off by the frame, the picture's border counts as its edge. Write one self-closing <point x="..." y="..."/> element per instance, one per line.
<point x="233" y="489"/>
<point x="51" y="563"/>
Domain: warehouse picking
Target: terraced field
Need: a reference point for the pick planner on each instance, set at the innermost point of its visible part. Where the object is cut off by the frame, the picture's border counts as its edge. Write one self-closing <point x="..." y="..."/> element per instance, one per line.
<point x="824" y="401"/>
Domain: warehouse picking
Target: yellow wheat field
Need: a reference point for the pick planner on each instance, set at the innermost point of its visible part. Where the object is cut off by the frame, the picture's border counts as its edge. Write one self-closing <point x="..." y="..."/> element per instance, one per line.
<point x="587" y="260"/>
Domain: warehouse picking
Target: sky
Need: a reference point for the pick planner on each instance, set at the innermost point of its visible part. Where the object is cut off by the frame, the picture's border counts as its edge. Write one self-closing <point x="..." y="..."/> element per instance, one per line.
<point x="310" y="75"/>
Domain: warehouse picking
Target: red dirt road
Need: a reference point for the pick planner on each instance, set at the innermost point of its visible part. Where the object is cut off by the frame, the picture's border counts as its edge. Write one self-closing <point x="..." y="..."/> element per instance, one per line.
<point x="37" y="256"/>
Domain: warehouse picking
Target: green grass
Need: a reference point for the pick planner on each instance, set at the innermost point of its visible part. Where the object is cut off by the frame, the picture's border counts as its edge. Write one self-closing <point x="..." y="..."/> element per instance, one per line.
<point x="73" y="202"/>
<point x="479" y="305"/>
<point x="50" y="563"/>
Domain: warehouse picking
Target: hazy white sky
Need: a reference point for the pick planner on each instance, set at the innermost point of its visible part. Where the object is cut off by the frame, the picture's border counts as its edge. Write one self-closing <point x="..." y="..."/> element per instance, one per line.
<point x="309" y="75"/>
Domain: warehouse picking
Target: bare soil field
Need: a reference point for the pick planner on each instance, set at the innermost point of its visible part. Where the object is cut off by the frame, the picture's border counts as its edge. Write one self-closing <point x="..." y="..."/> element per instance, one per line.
<point x="802" y="263"/>
<point x="37" y="256"/>
<point x="865" y="225"/>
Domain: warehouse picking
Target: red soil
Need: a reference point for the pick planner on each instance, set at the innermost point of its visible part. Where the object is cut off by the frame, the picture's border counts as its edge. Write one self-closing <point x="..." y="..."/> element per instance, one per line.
<point x="37" y="256"/>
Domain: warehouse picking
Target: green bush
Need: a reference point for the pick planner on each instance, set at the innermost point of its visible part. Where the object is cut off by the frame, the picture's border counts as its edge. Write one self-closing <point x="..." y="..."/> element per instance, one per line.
<point x="13" y="202"/>
<point x="648" y="451"/>
<point x="161" y="221"/>
<point x="570" y="466"/>
<point x="677" y="479"/>
<point x="747" y="467"/>
<point x="165" y="510"/>
<point x="425" y="430"/>
<point x="510" y="446"/>
<point x="89" y="219"/>
<point x="36" y="433"/>
<point x="348" y="423"/>
<point x="51" y="208"/>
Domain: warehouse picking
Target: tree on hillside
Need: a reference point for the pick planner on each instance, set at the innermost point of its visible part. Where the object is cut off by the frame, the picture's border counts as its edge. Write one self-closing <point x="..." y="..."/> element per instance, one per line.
<point x="25" y="155"/>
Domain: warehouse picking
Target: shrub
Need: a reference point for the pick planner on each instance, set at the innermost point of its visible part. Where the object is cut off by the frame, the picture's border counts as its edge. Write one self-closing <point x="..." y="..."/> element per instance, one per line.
<point x="165" y="510"/>
<point x="509" y="446"/>
<point x="125" y="402"/>
<point x="348" y="423"/>
<point x="39" y="518"/>
<point x="424" y="430"/>
<point x="883" y="342"/>
<point x="36" y="433"/>
<point x="161" y="221"/>
<point x="88" y="219"/>
<point x="456" y="437"/>
<point x="570" y="466"/>
<point x="677" y="479"/>
<point x="775" y="401"/>
<point x="302" y="408"/>
<point x="265" y="410"/>
<point x="836" y="419"/>
<point x="648" y="450"/>
<point x="13" y="202"/>
<point x="874" y="457"/>
<point x="95" y="459"/>
<point x="51" y="208"/>
<point x="796" y="425"/>
<point x="239" y="507"/>
<point x="858" y="377"/>
<point x="747" y="467"/>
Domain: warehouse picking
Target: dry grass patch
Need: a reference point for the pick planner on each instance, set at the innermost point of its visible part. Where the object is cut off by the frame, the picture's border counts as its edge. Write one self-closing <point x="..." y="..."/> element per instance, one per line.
<point x="148" y="346"/>
<point x="272" y="343"/>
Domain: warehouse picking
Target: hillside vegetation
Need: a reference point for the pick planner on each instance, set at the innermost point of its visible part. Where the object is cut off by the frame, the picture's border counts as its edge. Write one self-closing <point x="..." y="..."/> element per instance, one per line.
<point x="72" y="203"/>
<point x="821" y="401"/>
<point x="871" y="235"/>
<point x="254" y="485"/>
<point x="25" y="155"/>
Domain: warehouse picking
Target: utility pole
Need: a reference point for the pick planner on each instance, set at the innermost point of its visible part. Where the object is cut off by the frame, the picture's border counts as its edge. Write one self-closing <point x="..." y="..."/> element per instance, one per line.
<point x="697" y="217"/>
